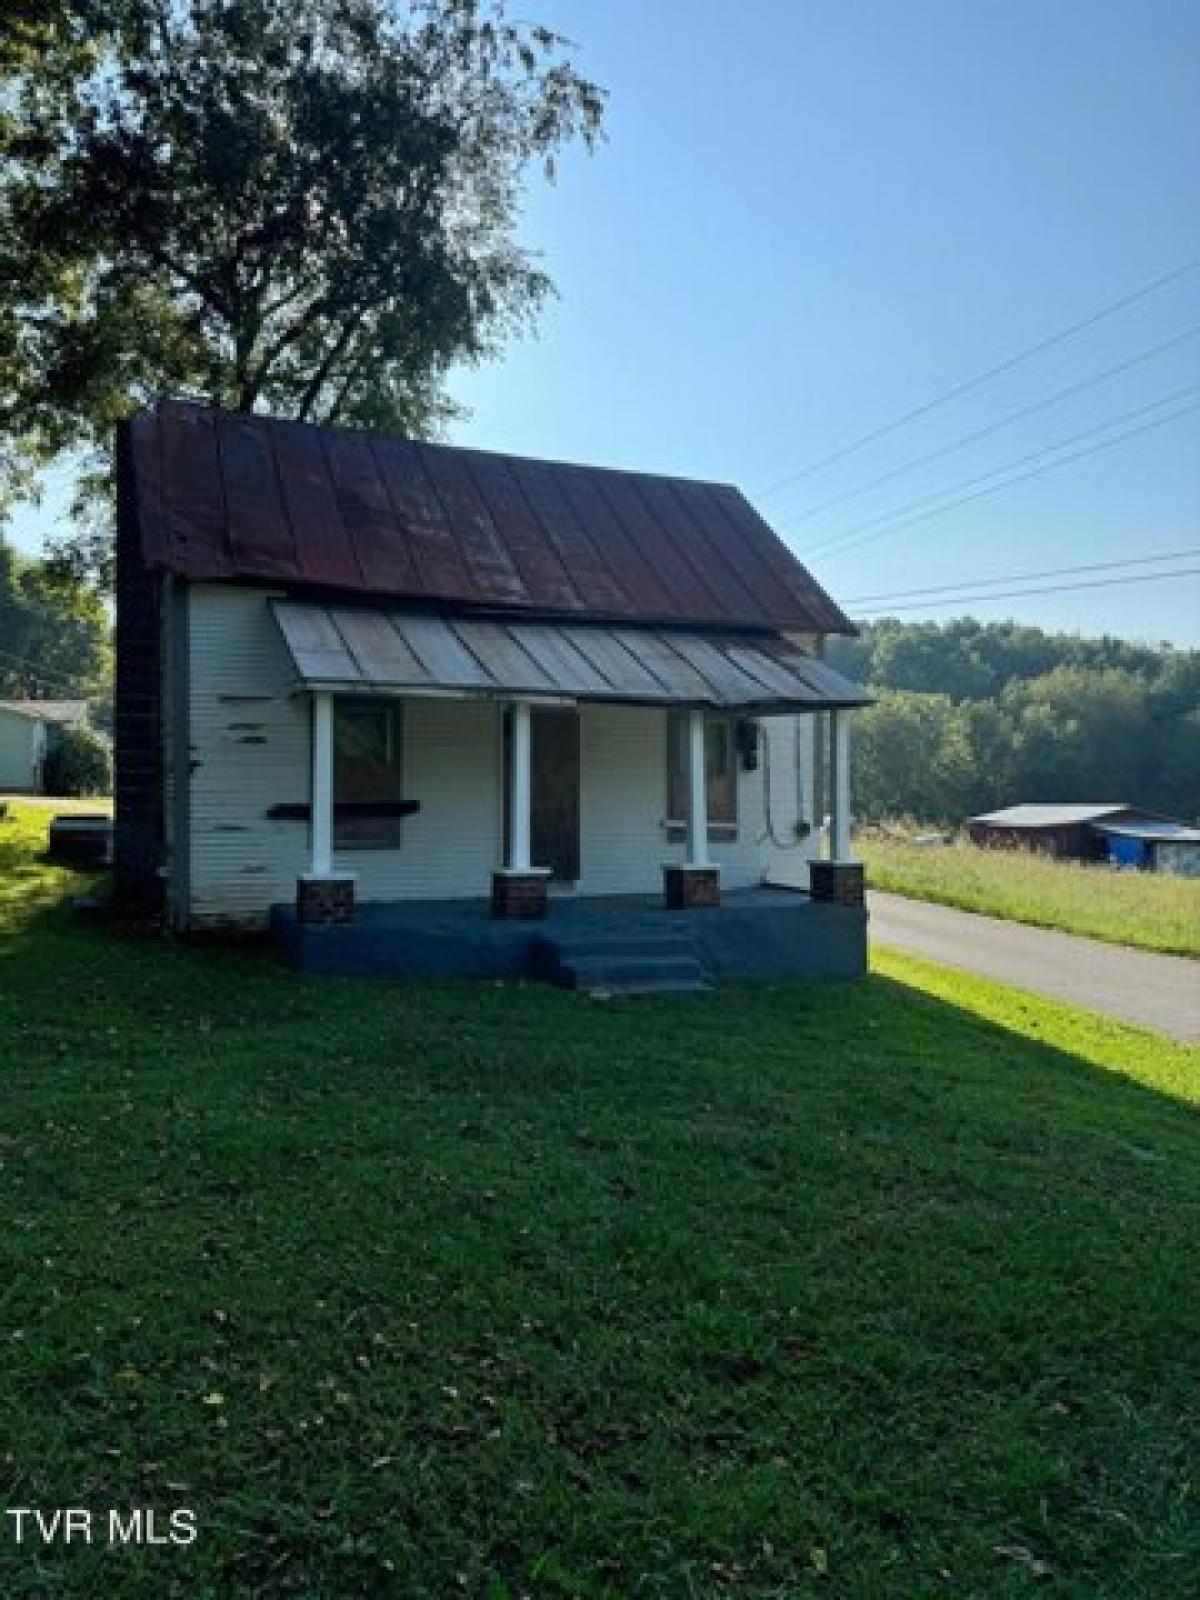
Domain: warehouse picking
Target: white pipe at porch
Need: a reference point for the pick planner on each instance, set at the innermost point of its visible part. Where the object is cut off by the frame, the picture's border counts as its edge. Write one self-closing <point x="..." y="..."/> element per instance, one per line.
<point x="839" y="838"/>
<point x="321" y="822"/>
<point x="697" y="836"/>
<point x="806" y="771"/>
<point x="519" y="790"/>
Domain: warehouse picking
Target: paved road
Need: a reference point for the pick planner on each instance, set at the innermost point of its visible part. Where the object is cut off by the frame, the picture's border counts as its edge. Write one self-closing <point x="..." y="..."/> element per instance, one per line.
<point x="1160" y="992"/>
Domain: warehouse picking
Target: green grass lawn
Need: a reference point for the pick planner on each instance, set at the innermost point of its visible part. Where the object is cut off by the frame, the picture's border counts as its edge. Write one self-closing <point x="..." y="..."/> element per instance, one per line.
<point x="1153" y="911"/>
<point x="874" y="1290"/>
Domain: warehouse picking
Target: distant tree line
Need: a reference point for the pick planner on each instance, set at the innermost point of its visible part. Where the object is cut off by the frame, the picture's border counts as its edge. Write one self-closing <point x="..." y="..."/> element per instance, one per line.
<point x="971" y="716"/>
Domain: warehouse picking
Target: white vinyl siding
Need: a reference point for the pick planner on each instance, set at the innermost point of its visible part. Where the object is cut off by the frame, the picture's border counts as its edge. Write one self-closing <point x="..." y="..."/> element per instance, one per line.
<point x="19" y="748"/>
<point x="624" y="806"/>
<point x="248" y="750"/>
<point x="452" y="767"/>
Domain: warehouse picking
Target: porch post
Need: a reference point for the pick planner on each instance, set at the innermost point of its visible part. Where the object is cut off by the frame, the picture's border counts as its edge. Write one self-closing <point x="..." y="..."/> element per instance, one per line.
<point x="839" y="833"/>
<point x="321" y="825"/>
<point x="323" y="895"/>
<point x="838" y="878"/>
<point x="519" y="888"/>
<point x="697" y="832"/>
<point x="519" y="790"/>
<point x="696" y="882"/>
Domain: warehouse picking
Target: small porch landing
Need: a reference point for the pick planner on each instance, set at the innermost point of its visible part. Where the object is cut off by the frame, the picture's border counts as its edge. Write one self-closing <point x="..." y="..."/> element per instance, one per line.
<point x="768" y="934"/>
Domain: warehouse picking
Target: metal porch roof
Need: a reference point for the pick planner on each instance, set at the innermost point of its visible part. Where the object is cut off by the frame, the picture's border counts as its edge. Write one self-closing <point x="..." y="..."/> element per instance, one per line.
<point x="360" y="650"/>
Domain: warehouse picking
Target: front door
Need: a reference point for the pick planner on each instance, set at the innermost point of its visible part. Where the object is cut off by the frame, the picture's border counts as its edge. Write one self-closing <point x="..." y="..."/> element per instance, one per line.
<point x="554" y="792"/>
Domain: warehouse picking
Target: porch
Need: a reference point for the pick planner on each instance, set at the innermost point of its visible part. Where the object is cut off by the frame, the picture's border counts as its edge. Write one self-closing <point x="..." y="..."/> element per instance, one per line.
<point x="762" y="933"/>
<point x="680" y="782"/>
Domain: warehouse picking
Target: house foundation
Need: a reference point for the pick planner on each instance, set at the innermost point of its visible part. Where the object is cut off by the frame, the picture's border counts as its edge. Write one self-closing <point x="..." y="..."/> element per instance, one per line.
<point x="325" y="899"/>
<point x="519" y="896"/>
<point x="688" y="888"/>
<point x="842" y="882"/>
<point x="760" y="934"/>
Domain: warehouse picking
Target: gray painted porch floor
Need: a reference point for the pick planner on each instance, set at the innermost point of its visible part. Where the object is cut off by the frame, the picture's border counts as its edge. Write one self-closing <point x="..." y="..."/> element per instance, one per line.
<point x="756" y="933"/>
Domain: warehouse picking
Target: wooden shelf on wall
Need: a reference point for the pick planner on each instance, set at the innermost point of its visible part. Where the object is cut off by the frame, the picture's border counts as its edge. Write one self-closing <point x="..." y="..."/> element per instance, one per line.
<point x="346" y="810"/>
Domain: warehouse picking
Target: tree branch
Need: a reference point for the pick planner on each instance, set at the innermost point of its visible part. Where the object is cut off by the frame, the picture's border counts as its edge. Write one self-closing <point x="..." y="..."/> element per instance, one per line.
<point x="312" y="389"/>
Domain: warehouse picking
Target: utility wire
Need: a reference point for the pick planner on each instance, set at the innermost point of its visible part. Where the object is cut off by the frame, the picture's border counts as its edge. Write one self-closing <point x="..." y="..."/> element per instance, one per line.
<point x="921" y="501"/>
<point x="1022" y="577"/>
<point x="1019" y="594"/>
<point x="981" y="378"/>
<point x="844" y="541"/>
<point x="993" y="427"/>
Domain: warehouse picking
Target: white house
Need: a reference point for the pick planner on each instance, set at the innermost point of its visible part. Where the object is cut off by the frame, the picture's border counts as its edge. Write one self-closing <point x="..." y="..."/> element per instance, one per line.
<point x="28" y="729"/>
<point x="357" y="672"/>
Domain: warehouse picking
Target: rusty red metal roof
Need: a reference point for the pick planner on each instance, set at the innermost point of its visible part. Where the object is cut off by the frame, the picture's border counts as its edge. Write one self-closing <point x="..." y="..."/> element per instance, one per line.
<point x="234" y="496"/>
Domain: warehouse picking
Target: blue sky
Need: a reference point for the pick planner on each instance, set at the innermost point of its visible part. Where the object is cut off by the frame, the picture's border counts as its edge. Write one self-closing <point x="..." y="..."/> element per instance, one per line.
<point x="810" y="218"/>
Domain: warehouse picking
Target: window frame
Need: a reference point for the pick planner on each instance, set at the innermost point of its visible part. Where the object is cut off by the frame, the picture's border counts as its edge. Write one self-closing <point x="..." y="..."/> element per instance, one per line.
<point x="391" y="827"/>
<point x="720" y="831"/>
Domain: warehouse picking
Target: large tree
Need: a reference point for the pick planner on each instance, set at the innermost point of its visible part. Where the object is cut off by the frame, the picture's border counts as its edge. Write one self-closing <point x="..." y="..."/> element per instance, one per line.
<point x="54" y="634"/>
<point x="308" y="207"/>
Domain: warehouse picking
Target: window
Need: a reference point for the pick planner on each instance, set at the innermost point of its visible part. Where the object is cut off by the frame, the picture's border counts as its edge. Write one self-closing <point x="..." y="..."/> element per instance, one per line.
<point x="366" y="773"/>
<point x="720" y="767"/>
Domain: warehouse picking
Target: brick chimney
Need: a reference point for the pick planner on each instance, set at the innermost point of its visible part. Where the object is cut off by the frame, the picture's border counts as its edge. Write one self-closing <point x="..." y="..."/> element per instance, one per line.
<point x="138" y="753"/>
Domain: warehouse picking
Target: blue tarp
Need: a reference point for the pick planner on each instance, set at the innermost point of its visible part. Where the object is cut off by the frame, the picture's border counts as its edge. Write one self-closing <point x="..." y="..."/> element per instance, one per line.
<point x="1125" y="852"/>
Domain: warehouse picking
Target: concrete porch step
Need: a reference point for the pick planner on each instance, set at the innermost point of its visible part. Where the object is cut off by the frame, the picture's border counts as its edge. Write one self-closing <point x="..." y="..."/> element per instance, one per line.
<point x="587" y="947"/>
<point x="646" y="964"/>
<point x="610" y="972"/>
<point x="656" y="986"/>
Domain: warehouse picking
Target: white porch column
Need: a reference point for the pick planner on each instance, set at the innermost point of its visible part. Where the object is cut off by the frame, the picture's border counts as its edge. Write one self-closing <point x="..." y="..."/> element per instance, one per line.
<point x="519" y="790"/>
<point x="695" y="882"/>
<point x="697" y="833"/>
<point x="519" y="888"/>
<point x="321" y="826"/>
<point x="839" y="788"/>
<point x="322" y="895"/>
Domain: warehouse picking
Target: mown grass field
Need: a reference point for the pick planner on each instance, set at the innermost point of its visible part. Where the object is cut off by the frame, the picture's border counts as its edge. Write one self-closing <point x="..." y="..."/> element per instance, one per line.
<point x="1150" y="910"/>
<point x="871" y="1290"/>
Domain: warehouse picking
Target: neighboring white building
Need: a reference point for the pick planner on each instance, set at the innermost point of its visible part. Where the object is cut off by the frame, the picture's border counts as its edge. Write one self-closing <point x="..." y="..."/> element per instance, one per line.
<point x="360" y="670"/>
<point x="27" y="732"/>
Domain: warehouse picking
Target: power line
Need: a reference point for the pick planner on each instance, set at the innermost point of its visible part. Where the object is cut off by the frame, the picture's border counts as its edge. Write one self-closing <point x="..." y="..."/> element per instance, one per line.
<point x="1021" y="577"/>
<point x="1054" y="588"/>
<point x="842" y="542"/>
<point x="994" y="427"/>
<point x="976" y="382"/>
<point x="836" y="539"/>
